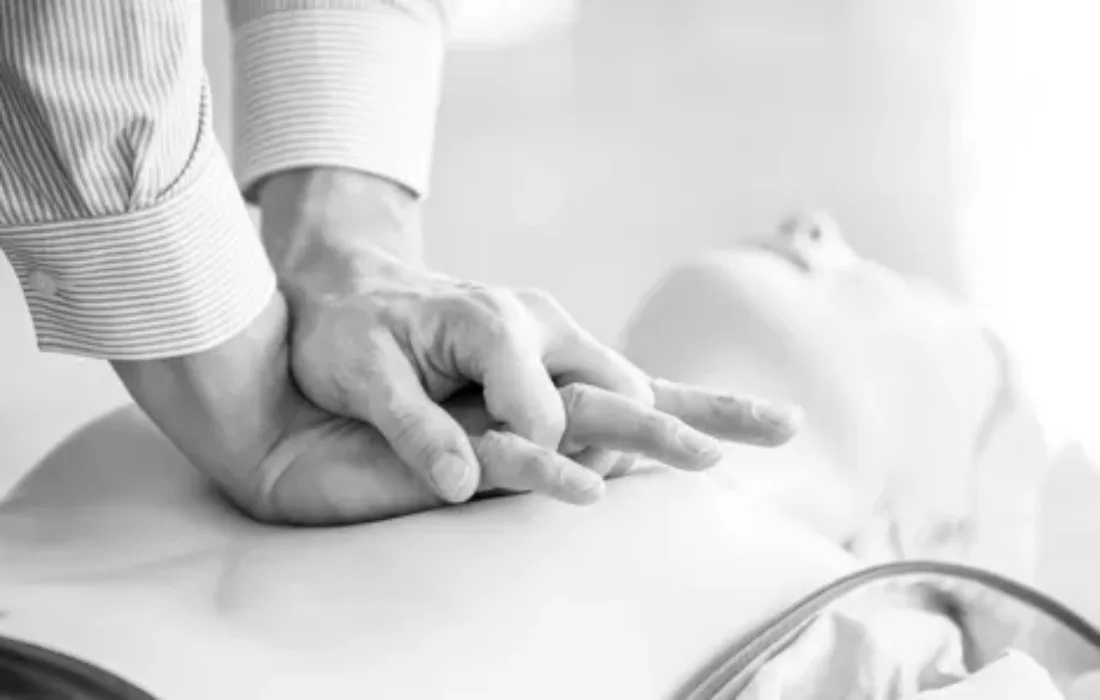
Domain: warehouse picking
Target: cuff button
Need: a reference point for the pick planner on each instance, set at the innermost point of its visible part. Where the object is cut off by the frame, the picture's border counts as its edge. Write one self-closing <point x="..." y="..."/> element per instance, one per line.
<point x="42" y="283"/>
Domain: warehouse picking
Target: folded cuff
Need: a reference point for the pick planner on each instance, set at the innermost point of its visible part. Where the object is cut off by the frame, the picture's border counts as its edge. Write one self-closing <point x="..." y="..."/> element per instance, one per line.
<point x="354" y="87"/>
<point x="177" y="278"/>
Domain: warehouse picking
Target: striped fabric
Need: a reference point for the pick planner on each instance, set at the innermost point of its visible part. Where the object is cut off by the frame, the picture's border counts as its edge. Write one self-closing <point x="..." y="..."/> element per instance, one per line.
<point x="118" y="210"/>
<point x="344" y="83"/>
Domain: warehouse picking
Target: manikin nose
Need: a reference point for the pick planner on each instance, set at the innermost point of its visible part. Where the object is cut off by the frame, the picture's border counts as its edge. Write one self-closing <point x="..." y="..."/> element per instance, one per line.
<point x="812" y="242"/>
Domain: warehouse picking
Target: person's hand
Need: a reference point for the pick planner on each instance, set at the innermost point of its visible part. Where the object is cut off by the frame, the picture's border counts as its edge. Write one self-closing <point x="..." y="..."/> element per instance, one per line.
<point x="378" y="338"/>
<point x="236" y="414"/>
<point x="339" y="470"/>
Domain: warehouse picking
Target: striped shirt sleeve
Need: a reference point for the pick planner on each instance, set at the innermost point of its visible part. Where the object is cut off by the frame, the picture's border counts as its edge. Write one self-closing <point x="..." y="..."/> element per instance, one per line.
<point x="339" y="83"/>
<point x="118" y="210"/>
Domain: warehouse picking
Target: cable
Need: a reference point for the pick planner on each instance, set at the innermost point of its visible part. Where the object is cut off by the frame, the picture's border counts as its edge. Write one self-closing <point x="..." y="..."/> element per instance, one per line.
<point x="33" y="672"/>
<point x="735" y="673"/>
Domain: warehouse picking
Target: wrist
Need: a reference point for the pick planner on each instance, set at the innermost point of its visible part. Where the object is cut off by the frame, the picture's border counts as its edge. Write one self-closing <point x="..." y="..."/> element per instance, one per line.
<point x="222" y="408"/>
<point x="319" y="225"/>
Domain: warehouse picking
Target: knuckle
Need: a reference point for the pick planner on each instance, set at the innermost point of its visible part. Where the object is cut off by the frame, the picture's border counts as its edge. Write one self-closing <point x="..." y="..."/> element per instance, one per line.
<point x="497" y="301"/>
<point x="490" y="442"/>
<point x="408" y="426"/>
<point x="356" y="379"/>
<point x="536" y="464"/>
<point x="547" y="427"/>
<point x="729" y="407"/>
<point x="510" y="462"/>
<point x="495" y="314"/>
<point x="416" y="434"/>
<point x="664" y="428"/>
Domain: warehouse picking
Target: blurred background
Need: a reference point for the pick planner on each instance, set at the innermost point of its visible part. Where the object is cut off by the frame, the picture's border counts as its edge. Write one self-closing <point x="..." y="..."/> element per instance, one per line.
<point x="585" y="145"/>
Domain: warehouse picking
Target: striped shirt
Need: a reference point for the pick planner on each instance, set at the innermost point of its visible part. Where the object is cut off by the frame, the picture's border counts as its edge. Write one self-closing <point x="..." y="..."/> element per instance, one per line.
<point x="119" y="212"/>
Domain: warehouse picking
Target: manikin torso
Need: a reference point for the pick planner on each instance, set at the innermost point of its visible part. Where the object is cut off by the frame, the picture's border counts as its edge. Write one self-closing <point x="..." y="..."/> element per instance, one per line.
<point x="114" y="550"/>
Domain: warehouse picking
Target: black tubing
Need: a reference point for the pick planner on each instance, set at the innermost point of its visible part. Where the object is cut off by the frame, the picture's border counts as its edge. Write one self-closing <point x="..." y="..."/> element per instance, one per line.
<point x="31" y="672"/>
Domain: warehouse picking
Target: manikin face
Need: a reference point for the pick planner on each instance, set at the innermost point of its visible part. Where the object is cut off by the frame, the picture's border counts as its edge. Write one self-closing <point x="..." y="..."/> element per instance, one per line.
<point x="800" y="315"/>
<point x="896" y="378"/>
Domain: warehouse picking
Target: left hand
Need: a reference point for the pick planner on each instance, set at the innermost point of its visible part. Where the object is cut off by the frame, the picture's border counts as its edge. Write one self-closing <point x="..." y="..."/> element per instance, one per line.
<point x="378" y="338"/>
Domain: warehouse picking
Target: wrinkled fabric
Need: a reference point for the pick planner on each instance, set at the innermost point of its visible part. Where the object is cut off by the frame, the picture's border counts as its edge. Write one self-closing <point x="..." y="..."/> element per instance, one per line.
<point x="1014" y="676"/>
<point x="879" y="648"/>
<point x="871" y="652"/>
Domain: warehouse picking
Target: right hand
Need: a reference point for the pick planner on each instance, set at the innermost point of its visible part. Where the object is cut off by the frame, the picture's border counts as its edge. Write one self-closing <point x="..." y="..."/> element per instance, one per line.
<point x="237" y="415"/>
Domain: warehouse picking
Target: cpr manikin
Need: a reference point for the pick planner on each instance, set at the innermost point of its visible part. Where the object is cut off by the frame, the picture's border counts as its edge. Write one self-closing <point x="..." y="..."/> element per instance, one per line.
<point x="115" y="551"/>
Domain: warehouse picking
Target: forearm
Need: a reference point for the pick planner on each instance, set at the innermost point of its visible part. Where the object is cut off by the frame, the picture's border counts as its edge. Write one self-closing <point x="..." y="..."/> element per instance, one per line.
<point x="123" y="222"/>
<point x="118" y="210"/>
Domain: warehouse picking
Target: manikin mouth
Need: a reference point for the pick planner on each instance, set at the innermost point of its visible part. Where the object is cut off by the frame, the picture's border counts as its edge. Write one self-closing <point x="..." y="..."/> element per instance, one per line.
<point x="789" y="254"/>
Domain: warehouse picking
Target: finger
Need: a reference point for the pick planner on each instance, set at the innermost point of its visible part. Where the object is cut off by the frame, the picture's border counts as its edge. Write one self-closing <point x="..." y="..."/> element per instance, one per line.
<point x="520" y="393"/>
<point x="596" y="417"/>
<point x="573" y="355"/>
<point x="736" y="418"/>
<point x="421" y="433"/>
<point x="511" y="462"/>
<point x="596" y="459"/>
<point x="609" y="464"/>
<point x="580" y="358"/>
<point x="499" y="347"/>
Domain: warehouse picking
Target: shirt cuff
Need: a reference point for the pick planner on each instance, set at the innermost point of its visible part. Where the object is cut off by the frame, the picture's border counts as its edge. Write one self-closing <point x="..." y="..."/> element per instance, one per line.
<point x="174" y="279"/>
<point x="344" y="83"/>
